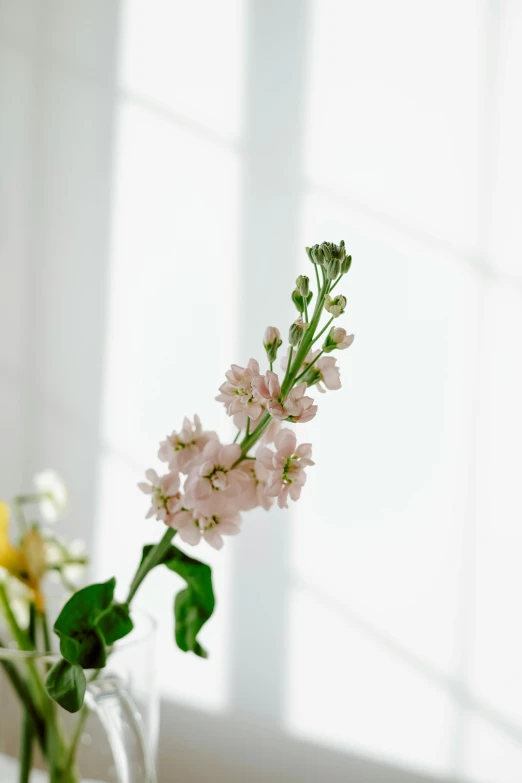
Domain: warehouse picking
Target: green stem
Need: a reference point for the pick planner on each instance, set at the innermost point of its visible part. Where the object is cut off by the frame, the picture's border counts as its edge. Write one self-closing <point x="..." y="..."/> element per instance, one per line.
<point x="37" y="704"/>
<point x="70" y="757"/>
<point x="20" y="516"/>
<point x="24" y="643"/>
<point x="292" y="370"/>
<point x="35" y="497"/>
<point x="335" y="283"/>
<point x="21" y="638"/>
<point x="289" y="363"/>
<point x="238" y="433"/>
<point x="26" y="749"/>
<point x="54" y="742"/>
<point x="53" y="750"/>
<point x="28" y="733"/>
<point x="152" y="560"/>
<point x="46" y="632"/>
<point x="306" y="342"/>
<point x="308" y="367"/>
<point x="323" y="330"/>
<point x="318" y="281"/>
<point x="75" y="739"/>
<point x="20" y="687"/>
<point x="254" y="436"/>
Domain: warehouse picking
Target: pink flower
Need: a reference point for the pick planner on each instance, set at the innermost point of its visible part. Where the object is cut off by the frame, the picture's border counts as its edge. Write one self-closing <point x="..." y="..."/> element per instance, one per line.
<point x="324" y="370"/>
<point x="296" y="407"/>
<point x="272" y="341"/>
<point x="337" y="338"/>
<point x="254" y="493"/>
<point x="181" y="449"/>
<point x="166" y="498"/>
<point x="268" y="386"/>
<point x="241" y="419"/>
<point x="192" y="527"/>
<point x="213" y="485"/>
<point x="270" y="432"/>
<point x="286" y="475"/>
<point x="328" y="371"/>
<point x="238" y="392"/>
<point x="284" y="360"/>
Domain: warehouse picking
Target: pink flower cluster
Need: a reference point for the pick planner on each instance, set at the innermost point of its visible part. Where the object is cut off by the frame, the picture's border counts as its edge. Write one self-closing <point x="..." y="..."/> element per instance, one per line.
<point x="247" y="393"/>
<point x="208" y="485"/>
<point x="216" y="486"/>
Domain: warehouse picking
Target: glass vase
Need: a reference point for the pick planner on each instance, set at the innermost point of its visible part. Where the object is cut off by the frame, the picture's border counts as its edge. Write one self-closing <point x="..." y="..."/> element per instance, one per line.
<point x="111" y="740"/>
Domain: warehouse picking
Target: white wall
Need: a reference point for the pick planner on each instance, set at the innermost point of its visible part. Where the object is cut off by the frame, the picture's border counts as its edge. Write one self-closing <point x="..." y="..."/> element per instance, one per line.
<point x="161" y="164"/>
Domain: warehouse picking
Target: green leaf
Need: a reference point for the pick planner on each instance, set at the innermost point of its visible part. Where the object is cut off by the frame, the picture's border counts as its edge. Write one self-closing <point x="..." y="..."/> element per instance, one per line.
<point x="83" y="609"/>
<point x="81" y="641"/>
<point x="189" y="619"/>
<point x="86" y="649"/>
<point x="195" y="604"/>
<point x="66" y="684"/>
<point x="116" y="623"/>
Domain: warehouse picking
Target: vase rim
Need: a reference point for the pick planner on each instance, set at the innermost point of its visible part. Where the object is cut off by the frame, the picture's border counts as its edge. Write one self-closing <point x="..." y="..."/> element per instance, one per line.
<point x="138" y="634"/>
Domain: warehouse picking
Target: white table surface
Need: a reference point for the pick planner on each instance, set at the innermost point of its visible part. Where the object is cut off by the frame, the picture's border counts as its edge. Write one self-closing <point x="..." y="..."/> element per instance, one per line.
<point x="9" y="772"/>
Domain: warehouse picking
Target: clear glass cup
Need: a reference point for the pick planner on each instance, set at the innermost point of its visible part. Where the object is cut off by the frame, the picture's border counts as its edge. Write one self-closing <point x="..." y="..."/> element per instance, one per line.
<point x="117" y="737"/>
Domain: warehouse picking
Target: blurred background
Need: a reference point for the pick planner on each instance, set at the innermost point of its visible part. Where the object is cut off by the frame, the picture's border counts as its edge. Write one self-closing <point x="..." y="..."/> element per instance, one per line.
<point x="163" y="163"/>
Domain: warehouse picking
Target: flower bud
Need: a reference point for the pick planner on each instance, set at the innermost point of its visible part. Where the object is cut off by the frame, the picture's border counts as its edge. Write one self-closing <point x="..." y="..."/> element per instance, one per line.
<point x="303" y="285"/>
<point x="272" y="341"/>
<point x="337" y="339"/>
<point x="299" y="300"/>
<point x="315" y="254"/>
<point x="346" y="264"/>
<point x="296" y="332"/>
<point x="335" y="305"/>
<point x="332" y="268"/>
<point x="327" y="251"/>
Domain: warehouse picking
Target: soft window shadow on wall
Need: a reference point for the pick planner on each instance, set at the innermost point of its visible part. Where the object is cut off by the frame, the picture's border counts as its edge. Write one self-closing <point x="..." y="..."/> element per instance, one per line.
<point x="233" y="749"/>
<point x="462" y="696"/>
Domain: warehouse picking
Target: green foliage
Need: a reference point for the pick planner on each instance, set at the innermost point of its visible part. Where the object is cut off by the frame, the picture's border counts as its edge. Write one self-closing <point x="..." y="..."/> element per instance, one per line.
<point x="195" y="604"/>
<point x="66" y="684"/>
<point x="83" y="609"/>
<point x="86" y="648"/>
<point x="115" y="623"/>
<point x="89" y="622"/>
<point x="92" y="620"/>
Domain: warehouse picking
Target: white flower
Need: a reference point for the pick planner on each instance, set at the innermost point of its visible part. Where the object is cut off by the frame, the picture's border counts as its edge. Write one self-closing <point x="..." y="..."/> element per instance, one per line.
<point x="66" y="561"/>
<point x="19" y="597"/>
<point x="54" y="495"/>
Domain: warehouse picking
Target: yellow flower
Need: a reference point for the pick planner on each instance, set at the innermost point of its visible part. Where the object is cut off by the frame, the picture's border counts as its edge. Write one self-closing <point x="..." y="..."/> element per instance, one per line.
<point x="26" y="562"/>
